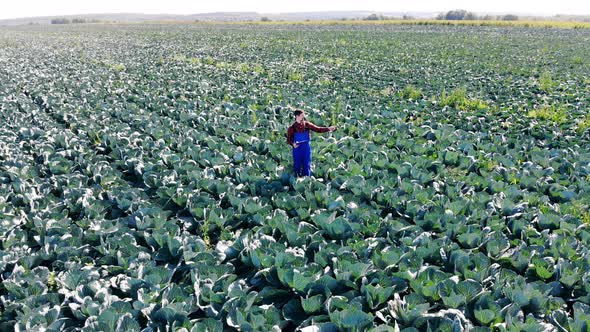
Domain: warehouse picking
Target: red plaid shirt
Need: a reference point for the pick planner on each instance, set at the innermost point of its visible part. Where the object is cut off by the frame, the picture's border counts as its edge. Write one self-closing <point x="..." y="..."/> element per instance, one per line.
<point x="302" y="127"/>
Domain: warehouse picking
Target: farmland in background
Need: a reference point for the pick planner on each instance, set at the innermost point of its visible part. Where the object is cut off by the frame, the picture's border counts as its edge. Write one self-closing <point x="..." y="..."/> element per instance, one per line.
<point x="145" y="181"/>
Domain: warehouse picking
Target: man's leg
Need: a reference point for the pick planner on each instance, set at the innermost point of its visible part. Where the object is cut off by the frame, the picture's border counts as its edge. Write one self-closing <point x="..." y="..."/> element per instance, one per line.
<point x="297" y="164"/>
<point x="306" y="159"/>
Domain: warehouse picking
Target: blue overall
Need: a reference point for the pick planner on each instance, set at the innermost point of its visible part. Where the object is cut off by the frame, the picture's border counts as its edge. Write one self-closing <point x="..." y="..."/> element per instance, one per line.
<point x="302" y="154"/>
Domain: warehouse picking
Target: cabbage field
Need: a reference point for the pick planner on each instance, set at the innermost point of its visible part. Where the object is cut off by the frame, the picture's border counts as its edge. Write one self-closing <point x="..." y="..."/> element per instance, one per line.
<point x="146" y="185"/>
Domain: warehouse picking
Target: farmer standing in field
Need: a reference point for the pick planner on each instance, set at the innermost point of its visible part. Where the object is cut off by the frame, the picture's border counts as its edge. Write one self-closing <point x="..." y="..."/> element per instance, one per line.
<point x="298" y="136"/>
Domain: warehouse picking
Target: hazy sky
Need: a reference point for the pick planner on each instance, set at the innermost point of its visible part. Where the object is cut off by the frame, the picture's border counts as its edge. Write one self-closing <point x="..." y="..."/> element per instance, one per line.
<point x="30" y="8"/>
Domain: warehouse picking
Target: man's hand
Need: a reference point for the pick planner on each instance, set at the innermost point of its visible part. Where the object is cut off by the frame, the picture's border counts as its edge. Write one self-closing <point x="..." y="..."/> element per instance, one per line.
<point x="295" y="145"/>
<point x="332" y="128"/>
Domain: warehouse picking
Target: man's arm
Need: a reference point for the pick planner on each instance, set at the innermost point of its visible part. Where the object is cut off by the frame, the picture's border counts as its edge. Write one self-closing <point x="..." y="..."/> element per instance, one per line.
<point x="318" y="129"/>
<point x="290" y="135"/>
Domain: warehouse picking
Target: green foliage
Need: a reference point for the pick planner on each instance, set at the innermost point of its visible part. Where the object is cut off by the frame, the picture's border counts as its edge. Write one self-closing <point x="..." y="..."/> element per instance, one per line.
<point x="295" y="76"/>
<point x="552" y="113"/>
<point x="458" y="99"/>
<point x="411" y="92"/>
<point x="584" y="123"/>
<point x="546" y="82"/>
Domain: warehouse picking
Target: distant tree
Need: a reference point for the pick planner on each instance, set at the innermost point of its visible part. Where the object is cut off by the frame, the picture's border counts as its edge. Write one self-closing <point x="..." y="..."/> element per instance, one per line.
<point x="60" y="21"/>
<point x="457" y="15"/>
<point x="408" y="17"/>
<point x="510" y="17"/>
<point x="78" y="20"/>
<point x="375" y="17"/>
<point x="265" y="19"/>
<point x="488" y="18"/>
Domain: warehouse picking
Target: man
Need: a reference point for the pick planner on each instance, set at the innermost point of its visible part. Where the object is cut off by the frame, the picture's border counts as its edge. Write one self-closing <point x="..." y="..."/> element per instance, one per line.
<point x="298" y="136"/>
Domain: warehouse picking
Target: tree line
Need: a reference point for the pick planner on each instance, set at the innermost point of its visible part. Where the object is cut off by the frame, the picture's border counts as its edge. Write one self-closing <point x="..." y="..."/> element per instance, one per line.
<point x="452" y="15"/>
<point x="74" y="21"/>
<point x="461" y="14"/>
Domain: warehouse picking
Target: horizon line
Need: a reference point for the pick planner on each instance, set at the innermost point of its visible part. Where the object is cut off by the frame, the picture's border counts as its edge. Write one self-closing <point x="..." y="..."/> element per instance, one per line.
<point x="293" y="12"/>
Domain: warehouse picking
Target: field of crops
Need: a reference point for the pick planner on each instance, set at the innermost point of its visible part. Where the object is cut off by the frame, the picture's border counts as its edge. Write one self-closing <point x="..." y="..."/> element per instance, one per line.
<point x="145" y="182"/>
